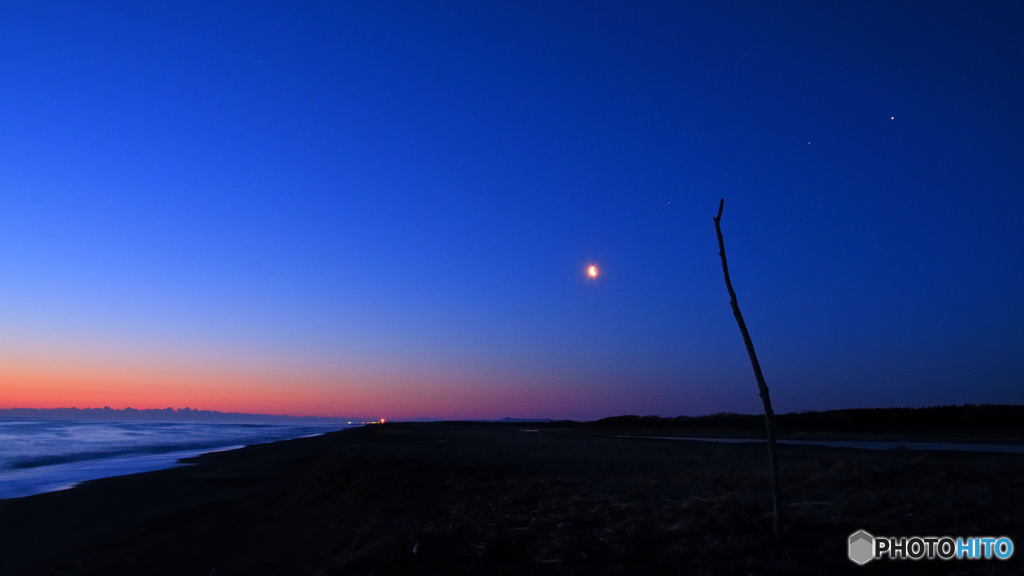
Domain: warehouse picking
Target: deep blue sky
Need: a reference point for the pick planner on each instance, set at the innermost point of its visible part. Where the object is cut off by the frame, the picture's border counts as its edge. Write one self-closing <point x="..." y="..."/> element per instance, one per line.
<point x="389" y="206"/>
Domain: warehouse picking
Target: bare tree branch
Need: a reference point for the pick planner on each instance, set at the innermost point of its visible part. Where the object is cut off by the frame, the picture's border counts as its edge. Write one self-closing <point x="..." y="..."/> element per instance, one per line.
<point x="769" y="414"/>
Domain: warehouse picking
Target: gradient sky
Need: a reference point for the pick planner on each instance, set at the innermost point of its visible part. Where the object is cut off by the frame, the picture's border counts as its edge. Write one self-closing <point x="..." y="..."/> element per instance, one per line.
<point x="387" y="208"/>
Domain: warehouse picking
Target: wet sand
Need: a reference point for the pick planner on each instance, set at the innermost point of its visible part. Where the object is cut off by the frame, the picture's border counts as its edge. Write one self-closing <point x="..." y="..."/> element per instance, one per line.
<point x="477" y="498"/>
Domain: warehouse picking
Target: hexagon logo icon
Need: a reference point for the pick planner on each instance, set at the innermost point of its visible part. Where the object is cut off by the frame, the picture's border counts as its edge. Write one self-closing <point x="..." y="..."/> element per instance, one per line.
<point x="861" y="547"/>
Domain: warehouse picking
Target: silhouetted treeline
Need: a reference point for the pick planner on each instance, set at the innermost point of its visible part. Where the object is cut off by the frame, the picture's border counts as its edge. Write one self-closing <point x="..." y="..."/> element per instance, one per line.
<point x="968" y="420"/>
<point x="167" y="414"/>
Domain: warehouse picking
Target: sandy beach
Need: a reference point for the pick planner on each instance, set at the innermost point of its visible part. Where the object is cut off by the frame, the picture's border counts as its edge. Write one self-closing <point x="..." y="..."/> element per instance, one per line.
<point x="479" y="498"/>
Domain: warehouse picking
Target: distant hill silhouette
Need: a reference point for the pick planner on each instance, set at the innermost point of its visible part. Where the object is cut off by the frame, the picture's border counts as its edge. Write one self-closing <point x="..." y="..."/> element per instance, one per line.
<point x="991" y="420"/>
<point x="165" y="415"/>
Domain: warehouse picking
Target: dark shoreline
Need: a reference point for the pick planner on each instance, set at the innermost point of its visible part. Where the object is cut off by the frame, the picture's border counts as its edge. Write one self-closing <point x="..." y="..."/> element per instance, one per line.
<point x="486" y="498"/>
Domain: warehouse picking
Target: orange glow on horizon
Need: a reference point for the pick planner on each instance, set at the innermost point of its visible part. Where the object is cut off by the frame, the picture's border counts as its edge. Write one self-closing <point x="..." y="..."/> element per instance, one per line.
<point x="352" y="392"/>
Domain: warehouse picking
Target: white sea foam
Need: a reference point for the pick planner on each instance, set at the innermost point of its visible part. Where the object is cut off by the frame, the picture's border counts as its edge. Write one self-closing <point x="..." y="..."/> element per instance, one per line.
<point x="39" y="456"/>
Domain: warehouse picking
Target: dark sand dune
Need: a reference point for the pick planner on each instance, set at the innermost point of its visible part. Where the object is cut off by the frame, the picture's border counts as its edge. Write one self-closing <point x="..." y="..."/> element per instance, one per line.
<point x="490" y="499"/>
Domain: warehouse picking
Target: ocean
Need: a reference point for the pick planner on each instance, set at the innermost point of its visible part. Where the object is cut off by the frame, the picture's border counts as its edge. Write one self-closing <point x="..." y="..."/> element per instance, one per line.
<point x="39" y="456"/>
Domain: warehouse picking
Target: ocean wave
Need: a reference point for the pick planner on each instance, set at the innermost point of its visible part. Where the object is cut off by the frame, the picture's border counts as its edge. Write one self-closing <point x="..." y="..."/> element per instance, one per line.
<point x="41" y="456"/>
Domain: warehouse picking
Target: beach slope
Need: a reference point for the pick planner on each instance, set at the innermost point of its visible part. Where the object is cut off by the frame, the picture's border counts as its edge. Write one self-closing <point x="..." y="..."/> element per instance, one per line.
<point x="487" y="498"/>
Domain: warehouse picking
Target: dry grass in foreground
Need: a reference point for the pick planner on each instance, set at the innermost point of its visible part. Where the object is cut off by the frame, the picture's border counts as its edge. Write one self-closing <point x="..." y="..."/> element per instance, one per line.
<point x="489" y="499"/>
